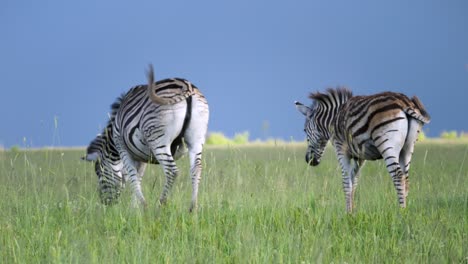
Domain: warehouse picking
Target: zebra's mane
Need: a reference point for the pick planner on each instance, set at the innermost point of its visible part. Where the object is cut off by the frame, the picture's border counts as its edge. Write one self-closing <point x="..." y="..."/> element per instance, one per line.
<point x="102" y="139"/>
<point x="341" y="94"/>
<point x="115" y="107"/>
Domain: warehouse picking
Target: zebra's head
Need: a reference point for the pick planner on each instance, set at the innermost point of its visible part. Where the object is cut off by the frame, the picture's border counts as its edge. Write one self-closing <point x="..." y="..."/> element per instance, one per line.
<point x="317" y="138"/>
<point x="108" y="168"/>
<point x="319" y="119"/>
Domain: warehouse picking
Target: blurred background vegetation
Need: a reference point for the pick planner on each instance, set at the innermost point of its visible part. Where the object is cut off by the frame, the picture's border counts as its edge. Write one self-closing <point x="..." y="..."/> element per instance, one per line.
<point x="218" y="138"/>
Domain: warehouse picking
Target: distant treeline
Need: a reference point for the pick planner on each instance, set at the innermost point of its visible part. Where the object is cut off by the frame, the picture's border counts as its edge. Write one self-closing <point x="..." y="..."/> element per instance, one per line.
<point x="218" y="138"/>
<point x="454" y="135"/>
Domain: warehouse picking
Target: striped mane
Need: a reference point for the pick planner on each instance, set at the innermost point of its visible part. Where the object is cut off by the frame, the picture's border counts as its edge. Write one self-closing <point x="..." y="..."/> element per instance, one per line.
<point x="340" y="93"/>
<point x="107" y="131"/>
<point x="104" y="139"/>
<point x="114" y="108"/>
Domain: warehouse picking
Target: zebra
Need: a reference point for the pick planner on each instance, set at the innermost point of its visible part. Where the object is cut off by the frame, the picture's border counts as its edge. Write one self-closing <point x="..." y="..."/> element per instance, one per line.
<point x="380" y="126"/>
<point x="150" y="124"/>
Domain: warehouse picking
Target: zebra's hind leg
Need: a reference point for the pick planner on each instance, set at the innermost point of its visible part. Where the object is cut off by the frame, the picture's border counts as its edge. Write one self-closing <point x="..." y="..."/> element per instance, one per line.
<point x="195" y="138"/>
<point x="195" y="156"/>
<point x="407" y="150"/>
<point x="391" y="153"/>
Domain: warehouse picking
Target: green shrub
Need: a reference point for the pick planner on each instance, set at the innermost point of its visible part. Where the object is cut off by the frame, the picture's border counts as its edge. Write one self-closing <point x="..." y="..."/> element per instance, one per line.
<point x="15" y="149"/>
<point x="421" y="136"/>
<point x="449" y="134"/>
<point x="217" y="138"/>
<point x="241" y="138"/>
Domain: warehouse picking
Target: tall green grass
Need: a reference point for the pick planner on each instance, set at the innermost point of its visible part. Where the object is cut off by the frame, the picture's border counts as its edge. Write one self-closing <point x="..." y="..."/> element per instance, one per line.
<point x="259" y="204"/>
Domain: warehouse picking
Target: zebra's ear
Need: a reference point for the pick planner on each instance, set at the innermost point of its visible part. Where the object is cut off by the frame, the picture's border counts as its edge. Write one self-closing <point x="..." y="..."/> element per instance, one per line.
<point x="302" y="108"/>
<point x="91" y="157"/>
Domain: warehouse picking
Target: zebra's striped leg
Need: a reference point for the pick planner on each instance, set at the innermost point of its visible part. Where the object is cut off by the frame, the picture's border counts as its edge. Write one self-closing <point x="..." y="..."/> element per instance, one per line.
<point x="407" y="151"/>
<point x="141" y="167"/>
<point x="389" y="141"/>
<point x="346" y="169"/>
<point x="356" y="168"/>
<point x="195" y="156"/>
<point x="405" y="162"/>
<point x="164" y="157"/>
<point x="133" y="179"/>
<point x="131" y="171"/>
<point x="195" y="138"/>
<point x="393" y="166"/>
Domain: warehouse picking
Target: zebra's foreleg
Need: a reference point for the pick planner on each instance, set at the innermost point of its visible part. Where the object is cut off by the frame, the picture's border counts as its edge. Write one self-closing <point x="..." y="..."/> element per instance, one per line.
<point x="131" y="171"/>
<point x="141" y="167"/>
<point x="164" y="157"/>
<point x="355" y="173"/>
<point x="346" y="169"/>
<point x="134" y="180"/>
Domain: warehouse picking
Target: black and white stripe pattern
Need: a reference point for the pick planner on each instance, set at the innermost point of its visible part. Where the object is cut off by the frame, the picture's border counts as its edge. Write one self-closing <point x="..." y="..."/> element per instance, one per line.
<point x="384" y="125"/>
<point x="149" y="124"/>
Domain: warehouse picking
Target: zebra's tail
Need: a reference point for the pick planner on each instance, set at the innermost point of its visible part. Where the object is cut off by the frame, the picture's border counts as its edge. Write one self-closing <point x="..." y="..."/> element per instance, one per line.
<point x="418" y="112"/>
<point x="165" y="100"/>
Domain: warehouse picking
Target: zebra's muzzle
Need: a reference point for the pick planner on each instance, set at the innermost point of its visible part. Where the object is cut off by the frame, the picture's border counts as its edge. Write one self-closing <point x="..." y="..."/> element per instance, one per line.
<point x="311" y="160"/>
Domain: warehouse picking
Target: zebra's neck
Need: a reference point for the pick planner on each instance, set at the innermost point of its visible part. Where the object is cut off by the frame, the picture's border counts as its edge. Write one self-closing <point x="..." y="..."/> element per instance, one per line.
<point x="108" y="147"/>
<point x="329" y="106"/>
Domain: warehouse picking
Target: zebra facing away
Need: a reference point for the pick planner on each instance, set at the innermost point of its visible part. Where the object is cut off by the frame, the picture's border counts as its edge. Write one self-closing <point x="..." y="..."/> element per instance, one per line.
<point x="381" y="126"/>
<point x="149" y="124"/>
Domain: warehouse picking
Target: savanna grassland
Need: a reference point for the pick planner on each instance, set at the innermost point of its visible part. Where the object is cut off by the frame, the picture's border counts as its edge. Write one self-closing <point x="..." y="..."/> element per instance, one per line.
<point x="258" y="204"/>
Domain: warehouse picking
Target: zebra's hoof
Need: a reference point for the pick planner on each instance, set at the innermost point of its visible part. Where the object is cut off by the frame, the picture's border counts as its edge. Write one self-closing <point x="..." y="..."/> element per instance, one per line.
<point x="193" y="208"/>
<point x="162" y="202"/>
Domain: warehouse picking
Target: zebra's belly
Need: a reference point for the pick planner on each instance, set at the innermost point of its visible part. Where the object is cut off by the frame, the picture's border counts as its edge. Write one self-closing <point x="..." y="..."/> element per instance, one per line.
<point x="367" y="151"/>
<point x="140" y="151"/>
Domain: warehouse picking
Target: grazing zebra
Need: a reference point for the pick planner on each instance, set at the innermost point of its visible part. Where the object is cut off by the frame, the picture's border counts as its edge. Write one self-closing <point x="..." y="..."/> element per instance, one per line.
<point x="149" y="124"/>
<point x="384" y="125"/>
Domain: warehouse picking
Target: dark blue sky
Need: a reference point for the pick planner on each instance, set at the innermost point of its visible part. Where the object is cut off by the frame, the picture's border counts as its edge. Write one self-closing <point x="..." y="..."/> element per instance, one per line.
<point x="62" y="63"/>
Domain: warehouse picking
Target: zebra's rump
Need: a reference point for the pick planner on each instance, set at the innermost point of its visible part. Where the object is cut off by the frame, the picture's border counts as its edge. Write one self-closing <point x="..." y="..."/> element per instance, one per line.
<point x="363" y="122"/>
<point x="146" y="117"/>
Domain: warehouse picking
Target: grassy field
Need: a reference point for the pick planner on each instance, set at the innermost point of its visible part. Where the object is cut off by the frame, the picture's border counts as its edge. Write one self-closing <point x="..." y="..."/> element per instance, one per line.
<point x="258" y="204"/>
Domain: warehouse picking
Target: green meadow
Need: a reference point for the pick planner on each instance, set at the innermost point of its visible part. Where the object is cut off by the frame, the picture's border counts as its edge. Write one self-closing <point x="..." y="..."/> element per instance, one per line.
<point x="257" y="204"/>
